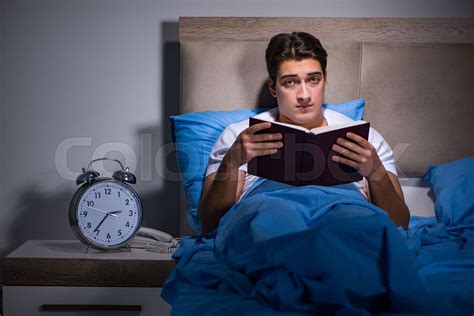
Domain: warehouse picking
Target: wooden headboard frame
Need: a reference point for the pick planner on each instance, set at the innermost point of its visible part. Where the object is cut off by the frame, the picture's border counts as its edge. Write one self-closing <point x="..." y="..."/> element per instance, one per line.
<point x="372" y="30"/>
<point x="396" y="64"/>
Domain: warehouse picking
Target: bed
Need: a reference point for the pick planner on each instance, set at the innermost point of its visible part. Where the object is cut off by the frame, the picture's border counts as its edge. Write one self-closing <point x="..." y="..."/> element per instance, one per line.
<point x="415" y="79"/>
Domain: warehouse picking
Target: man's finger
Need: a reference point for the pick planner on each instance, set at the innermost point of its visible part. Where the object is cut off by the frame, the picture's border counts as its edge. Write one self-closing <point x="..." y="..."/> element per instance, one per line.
<point x="258" y="127"/>
<point x="351" y="146"/>
<point x="346" y="152"/>
<point x="358" y="139"/>
<point x="346" y="161"/>
<point x="266" y="145"/>
<point x="263" y="152"/>
<point x="266" y="137"/>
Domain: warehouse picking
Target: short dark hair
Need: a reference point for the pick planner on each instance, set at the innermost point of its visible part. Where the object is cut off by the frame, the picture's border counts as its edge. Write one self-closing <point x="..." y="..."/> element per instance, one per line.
<point x="293" y="46"/>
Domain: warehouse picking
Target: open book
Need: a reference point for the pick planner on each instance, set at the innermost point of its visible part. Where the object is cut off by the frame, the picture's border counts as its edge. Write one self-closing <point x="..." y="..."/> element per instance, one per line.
<point x="305" y="157"/>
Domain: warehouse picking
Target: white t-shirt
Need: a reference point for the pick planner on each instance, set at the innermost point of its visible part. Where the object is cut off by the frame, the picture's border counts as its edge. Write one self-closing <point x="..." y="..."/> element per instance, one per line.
<point x="231" y="132"/>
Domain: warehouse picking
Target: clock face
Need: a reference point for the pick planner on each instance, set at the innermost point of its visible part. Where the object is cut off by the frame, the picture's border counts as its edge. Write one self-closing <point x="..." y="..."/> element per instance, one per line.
<point x="107" y="214"/>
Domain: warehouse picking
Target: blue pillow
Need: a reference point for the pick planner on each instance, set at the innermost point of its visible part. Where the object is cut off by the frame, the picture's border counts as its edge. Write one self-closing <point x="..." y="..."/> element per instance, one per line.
<point x="194" y="134"/>
<point x="353" y="109"/>
<point x="453" y="187"/>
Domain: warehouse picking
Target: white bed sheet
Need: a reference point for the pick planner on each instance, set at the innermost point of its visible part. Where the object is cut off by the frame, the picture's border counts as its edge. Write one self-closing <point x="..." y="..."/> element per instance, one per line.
<point x="418" y="197"/>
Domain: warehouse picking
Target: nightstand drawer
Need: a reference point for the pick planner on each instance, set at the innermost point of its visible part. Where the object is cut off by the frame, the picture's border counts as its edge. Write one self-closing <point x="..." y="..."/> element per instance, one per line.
<point x="87" y="301"/>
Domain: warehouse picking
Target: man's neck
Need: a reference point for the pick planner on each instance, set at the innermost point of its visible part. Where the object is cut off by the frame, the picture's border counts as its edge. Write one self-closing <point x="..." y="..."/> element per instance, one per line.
<point x="320" y="122"/>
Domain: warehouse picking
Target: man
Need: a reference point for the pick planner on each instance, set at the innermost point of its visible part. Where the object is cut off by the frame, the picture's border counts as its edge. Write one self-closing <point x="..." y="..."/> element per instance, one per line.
<point x="296" y="65"/>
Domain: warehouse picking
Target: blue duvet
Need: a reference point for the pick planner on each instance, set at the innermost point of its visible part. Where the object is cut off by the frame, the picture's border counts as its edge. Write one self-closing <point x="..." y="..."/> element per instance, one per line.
<point x="322" y="251"/>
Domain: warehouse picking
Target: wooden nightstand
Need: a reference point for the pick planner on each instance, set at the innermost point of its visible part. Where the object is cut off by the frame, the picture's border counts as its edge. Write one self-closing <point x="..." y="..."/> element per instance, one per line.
<point x="56" y="277"/>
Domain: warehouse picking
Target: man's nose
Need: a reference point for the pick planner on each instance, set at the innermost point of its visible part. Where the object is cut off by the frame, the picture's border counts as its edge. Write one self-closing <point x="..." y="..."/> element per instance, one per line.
<point x="304" y="95"/>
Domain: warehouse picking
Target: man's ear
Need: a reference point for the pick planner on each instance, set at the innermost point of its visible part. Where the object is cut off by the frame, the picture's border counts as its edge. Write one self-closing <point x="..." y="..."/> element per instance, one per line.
<point x="271" y="87"/>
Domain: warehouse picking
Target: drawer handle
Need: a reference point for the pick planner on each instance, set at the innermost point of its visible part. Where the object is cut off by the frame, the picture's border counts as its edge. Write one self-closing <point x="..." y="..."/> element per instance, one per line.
<point x="88" y="308"/>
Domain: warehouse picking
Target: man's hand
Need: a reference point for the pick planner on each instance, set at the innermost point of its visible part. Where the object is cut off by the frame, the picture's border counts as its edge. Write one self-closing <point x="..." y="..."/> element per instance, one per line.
<point x="384" y="189"/>
<point x="249" y="145"/>
<point x="361" y="155"/>
<point x="224" y="187"/>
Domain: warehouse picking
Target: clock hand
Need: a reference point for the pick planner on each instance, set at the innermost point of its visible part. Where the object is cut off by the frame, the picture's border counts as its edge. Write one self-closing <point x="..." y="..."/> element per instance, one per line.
<point x="106" y="214"/>
<point x="97" y="228"/>
<point x="96" y="209"/>
<point x="100" y="211"/>
<point x="114" y="212"/>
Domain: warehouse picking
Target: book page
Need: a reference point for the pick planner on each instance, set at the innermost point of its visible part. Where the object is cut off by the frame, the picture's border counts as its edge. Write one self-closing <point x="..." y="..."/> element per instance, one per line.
<point x="320" y="130"/>
<point x="290" y="125"/>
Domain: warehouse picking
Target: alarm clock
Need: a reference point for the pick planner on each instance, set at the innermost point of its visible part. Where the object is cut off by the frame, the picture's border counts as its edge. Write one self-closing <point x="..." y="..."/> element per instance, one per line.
<point x="105" y="213"/>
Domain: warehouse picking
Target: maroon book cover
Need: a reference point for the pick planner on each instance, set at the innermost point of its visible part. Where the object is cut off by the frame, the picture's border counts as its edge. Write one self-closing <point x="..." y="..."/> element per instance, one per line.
<point x="305" y="158"/>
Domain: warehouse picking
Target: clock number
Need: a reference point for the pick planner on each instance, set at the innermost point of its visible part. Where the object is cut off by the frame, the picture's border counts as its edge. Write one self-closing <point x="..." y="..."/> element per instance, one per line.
<point x="119" y="232"/>
<point x="90" y="203"/>
<point x="108" y="236"/>
<point x="127" y="202"/>
<point x="89" y="225"/>
<point x="127" y="224"/>
<point x="130" y="213"/>
<point x="118" y="193"/>
<point x="84" y="213"/>
<point x="97" y="195"/>
<point x="97" y="232"/>
<point x="107" y="191"/>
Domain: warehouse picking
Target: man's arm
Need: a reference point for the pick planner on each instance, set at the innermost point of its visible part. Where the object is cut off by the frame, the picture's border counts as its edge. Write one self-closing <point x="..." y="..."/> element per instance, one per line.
<point x="223" y="188"/>
<point x="385" y="190"/>
<point x="386" y="193"/>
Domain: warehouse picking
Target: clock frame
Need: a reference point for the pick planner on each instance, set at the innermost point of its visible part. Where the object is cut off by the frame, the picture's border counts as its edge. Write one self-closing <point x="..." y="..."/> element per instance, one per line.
<point x="95" y="199"/>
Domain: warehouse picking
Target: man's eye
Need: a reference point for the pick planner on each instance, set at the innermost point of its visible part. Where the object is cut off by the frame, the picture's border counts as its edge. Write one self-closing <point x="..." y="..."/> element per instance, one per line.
<point x="288" y="82"/>
<point x="315" y="79"/>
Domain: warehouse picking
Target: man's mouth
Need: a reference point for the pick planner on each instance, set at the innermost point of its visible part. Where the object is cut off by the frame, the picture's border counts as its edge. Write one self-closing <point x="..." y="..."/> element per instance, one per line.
<point x="304" y="106"/>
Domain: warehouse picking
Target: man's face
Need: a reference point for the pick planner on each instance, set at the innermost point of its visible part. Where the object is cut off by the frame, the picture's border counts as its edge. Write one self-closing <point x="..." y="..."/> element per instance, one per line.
<point x="299" y="89"/>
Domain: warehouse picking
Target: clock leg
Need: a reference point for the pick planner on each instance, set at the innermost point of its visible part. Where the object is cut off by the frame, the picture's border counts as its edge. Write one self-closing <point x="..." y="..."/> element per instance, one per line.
<point x="87" y="248"/>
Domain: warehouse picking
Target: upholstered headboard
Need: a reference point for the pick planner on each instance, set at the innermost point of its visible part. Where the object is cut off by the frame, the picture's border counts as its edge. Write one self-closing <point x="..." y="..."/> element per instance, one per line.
<point x="416" y="75"/>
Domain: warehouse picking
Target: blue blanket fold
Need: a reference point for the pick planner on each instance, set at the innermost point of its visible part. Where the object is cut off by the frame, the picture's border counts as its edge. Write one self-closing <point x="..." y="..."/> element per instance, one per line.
<point x="312" y="250"/>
